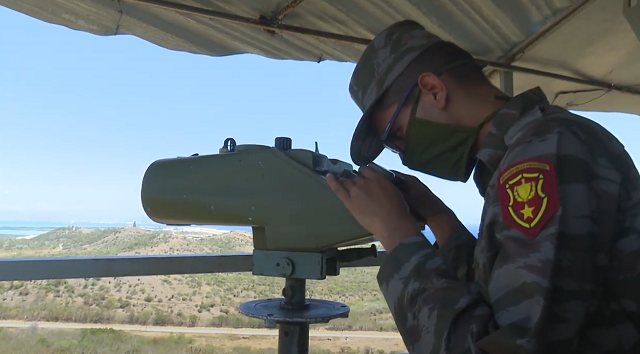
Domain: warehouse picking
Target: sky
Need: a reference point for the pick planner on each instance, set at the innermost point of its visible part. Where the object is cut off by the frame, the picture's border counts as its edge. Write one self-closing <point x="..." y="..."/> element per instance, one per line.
<point x="83" y="116"/>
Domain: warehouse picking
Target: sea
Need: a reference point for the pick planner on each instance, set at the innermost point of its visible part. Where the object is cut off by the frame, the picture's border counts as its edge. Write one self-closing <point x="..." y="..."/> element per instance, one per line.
<point x="28" y="229"/>
<point x="35" y="228"/>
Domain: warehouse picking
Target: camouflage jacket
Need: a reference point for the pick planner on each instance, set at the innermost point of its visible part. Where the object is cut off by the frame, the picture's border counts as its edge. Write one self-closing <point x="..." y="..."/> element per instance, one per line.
<point x="555" y="268"/>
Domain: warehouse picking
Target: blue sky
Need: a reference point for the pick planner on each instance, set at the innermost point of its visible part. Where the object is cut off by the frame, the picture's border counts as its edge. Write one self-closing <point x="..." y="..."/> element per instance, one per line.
<point x="82" y="117"/>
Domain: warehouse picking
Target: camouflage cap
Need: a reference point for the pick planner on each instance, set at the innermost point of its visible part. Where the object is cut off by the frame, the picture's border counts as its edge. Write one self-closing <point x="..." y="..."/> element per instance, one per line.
<point x="381" y="63"/>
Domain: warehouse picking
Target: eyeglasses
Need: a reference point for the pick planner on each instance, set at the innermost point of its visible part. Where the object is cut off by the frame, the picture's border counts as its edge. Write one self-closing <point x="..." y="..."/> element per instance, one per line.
<point x="385" y="135"/>
<point x="390" y="145"/>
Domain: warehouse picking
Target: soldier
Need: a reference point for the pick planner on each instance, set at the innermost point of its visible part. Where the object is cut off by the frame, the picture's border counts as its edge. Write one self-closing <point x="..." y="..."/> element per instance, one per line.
<point x="555" y="266"/>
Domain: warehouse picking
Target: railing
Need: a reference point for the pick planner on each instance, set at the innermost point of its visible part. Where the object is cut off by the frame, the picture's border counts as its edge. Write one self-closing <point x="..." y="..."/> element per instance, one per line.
<point x="130" y="266"/>
<point x="25" y="269"/>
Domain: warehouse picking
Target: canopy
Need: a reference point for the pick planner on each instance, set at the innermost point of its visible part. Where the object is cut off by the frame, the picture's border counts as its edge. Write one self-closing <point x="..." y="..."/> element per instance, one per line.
<point x="586" y="39"/>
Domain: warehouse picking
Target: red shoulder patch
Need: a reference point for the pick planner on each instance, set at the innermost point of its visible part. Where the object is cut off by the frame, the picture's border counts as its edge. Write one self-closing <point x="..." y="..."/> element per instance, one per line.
<point x="528" y="194"/>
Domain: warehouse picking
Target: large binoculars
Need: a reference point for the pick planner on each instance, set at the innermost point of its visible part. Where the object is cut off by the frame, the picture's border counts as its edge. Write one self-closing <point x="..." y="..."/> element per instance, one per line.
<point x="279" y="191"/>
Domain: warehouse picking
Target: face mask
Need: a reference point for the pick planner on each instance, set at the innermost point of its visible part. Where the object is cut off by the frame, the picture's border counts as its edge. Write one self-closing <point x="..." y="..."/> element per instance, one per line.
<point x="438" y="149"/>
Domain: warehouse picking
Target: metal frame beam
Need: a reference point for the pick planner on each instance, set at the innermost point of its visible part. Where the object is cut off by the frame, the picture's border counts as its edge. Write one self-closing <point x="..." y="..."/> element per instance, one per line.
<point x="279" y="16"/>
<point x="13" y="269"/>
<point x="519" y="50"/>
<point x="506" y="82"/>
<point x="262" y="22"/>
<point x="534" y="72"/>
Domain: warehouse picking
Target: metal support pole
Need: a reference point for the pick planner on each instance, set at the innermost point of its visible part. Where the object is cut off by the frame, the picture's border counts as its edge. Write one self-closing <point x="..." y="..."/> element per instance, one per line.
<point x="294" y="312"/>
<point x="293" y="337"/>
<point x="506" y="82"/>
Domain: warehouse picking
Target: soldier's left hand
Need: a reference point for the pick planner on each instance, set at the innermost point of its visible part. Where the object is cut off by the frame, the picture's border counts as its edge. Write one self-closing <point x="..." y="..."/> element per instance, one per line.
<point x="377" y="205"/>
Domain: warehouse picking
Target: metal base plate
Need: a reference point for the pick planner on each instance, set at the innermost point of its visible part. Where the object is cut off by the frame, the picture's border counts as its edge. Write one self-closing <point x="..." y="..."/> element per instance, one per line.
<point x="318" y="311"/>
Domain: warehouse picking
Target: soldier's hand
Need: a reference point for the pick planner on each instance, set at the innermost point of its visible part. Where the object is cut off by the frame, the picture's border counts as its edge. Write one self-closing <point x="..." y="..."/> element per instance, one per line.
<point x="435" y="214"/>
<point x="420" y="198"/>
<point x="377" y="205"/>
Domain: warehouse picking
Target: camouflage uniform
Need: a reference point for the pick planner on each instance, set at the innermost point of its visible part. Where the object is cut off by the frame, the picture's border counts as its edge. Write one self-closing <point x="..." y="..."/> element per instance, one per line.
<point x="566" y="283"/>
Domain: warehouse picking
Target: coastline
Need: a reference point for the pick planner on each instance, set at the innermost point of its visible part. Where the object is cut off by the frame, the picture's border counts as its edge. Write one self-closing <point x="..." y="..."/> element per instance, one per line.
<point x="28" y="230"/>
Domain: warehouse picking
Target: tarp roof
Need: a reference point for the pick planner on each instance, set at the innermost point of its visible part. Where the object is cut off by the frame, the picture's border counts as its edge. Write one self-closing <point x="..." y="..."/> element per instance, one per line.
<point x="588" y="39"/>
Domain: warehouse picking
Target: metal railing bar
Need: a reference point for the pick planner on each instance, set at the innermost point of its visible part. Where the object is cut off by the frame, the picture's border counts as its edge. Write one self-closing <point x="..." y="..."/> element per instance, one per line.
<point x="25" y="269"/>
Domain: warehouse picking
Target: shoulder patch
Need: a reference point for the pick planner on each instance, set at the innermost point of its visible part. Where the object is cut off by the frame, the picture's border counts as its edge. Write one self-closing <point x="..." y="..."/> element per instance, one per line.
<point x="528" y="194"/>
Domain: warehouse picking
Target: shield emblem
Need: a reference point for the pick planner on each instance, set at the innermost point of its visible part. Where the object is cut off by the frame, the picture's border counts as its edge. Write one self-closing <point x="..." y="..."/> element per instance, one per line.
<point x="528" y="195"/>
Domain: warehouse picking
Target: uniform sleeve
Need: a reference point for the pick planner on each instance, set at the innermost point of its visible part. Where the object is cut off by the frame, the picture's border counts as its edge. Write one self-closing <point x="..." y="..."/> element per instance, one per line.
<point x="542" y="264"/>
<point x="458" y="251"/>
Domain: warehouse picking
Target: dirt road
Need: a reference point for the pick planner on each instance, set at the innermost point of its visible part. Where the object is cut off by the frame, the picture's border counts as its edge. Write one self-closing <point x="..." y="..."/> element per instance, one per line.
<point x="194" y="330"/>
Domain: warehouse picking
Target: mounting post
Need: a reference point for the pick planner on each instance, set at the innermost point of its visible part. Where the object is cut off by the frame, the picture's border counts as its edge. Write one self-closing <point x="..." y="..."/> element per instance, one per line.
<point x="506" y="82"/>
<point x="294" y="313"/>
<point x="293" y="337"/>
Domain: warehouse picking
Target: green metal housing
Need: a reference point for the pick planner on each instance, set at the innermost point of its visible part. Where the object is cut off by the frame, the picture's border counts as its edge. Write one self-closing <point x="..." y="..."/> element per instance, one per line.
<point x="277" y="192"/>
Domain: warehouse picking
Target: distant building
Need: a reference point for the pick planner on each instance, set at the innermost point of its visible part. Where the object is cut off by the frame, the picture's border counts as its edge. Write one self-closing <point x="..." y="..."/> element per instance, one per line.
<point x="134" y="224"/>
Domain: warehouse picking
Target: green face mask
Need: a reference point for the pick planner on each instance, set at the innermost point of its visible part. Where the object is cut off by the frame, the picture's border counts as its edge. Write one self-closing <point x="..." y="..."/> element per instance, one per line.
<point x="438" y="149"/>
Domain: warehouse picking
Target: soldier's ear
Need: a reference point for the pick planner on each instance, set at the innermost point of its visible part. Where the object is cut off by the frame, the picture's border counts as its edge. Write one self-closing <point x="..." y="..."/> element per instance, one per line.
<point x="432" y="90"/>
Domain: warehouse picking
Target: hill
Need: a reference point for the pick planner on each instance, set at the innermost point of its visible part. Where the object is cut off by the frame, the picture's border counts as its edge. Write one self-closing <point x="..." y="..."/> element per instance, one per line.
<point x="192" y="300"/>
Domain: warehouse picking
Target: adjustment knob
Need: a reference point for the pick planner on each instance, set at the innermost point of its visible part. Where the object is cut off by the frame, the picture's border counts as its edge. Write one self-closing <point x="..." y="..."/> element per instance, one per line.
<point x="283" y="143"/>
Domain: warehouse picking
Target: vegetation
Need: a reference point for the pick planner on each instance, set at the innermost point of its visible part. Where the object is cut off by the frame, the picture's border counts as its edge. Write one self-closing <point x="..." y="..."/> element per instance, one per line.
<point x="207" y="300"/>
<point x="99" y="341"/>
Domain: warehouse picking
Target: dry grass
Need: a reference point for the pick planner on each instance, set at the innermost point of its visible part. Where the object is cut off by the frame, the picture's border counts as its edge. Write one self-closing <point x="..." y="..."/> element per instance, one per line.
<point x="196" y="300"/>
<point x="94" y="341"/>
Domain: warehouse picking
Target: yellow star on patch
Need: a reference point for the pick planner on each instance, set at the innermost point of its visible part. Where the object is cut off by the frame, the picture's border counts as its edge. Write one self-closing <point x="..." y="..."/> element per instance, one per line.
<point x="527" y="212"/>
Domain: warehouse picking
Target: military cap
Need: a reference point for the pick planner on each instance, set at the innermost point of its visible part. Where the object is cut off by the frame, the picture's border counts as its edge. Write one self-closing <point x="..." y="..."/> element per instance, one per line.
<point x="381" y="63"/>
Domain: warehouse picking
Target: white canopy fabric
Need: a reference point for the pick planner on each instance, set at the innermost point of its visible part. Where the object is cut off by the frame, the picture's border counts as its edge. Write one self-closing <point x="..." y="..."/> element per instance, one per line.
<point x="586" y="39"/>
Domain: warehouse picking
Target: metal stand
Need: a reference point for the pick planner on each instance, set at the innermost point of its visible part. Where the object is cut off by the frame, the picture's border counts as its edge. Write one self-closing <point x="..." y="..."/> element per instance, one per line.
<point x="293" y="315"/>
<point x="294" y="312"/>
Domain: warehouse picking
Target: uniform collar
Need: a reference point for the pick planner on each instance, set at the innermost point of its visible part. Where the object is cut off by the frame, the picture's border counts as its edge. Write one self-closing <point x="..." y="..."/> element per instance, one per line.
<point x="502" y="132"/>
